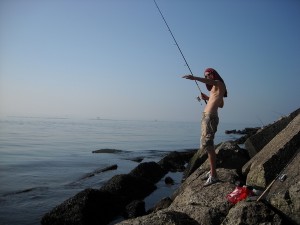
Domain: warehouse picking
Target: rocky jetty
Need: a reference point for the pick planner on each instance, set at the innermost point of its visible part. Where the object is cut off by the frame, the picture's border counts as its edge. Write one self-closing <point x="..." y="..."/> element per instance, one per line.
<point x="269" y="164"/>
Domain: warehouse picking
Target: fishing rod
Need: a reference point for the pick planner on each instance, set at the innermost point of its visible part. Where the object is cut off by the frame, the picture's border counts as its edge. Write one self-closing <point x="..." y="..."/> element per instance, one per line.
<point x="178" y="48"/>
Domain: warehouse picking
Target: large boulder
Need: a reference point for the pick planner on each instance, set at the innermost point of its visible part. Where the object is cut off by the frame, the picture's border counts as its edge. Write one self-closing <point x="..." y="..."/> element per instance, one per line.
<point x="175" y="161"/>
<point x="231" y="156"/>
<point x="228" y="155"/>
<point x="269" y="162"/>
<point x="206" y="205"/>
<point x="284" y="194"/>
<point x="134" y="209"/>
<point x="195" y="162"/>
<point x="150" y="171"/>
<point x="256" y="142"/>
<point x="162" y="218"/>
<point x="88" y="207"/>
<point x="128" y="187"/>
<point x="251" y="213"/>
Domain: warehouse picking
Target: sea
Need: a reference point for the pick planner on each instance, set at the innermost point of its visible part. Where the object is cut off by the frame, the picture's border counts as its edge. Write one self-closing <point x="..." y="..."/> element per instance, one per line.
<point x="45" y="161"/>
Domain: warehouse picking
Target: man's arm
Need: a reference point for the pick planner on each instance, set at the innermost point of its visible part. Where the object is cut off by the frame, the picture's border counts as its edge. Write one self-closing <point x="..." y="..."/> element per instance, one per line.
<point x="204" y="97"/>
<point x="203" y="80"/>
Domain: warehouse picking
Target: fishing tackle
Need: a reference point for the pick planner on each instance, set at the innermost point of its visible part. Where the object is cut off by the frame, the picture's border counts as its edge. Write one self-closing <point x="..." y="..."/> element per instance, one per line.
<point x="198" y="98"/>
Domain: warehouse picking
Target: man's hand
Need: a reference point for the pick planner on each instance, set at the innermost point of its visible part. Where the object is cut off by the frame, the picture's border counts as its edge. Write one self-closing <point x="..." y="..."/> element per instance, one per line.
<point x="204" y="96"/>
<point x="189" y="77"/>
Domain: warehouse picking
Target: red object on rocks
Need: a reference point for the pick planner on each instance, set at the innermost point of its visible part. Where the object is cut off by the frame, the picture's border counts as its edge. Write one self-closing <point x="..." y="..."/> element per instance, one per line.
<point x="238" y="194"/>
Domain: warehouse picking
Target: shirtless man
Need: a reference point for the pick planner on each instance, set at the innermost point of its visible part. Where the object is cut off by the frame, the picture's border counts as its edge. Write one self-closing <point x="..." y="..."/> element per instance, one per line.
<point x="210" y="119"/>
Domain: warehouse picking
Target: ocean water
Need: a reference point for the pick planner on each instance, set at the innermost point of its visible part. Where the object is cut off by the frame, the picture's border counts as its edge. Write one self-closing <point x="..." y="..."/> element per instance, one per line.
<point x="44" y="161"/>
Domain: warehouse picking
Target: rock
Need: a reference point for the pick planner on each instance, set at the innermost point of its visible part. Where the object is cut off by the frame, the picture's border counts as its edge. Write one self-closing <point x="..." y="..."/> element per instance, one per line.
<point x="135" y="209"/>
<point x="169" y="181"/>
<point x="197" y="160"/>
<point x="284" y="195"/>
<point x="162" y="218"/>
<point x="162" y="204"/>
<point x="206" y="205"/>
<point x="251" y="213"/>
<point x="107" y="150"/>
<point x="128" y="187"/>
<point x="88" y="207"/>
<point x="256" y="142"/>
<point x="230" y="131"/>
<point x="175" y="161"/>
<point x="150" y="171"/>
<point x="229" y="155"/>
<point x="101" y="170"/>
<point x="266" y="164"/>
<point x="246" y="131"/>
<point x="137" y="159"/>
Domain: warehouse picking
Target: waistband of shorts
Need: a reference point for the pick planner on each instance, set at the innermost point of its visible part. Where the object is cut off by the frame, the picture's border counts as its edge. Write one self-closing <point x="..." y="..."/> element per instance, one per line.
<point x="210" y="114"/>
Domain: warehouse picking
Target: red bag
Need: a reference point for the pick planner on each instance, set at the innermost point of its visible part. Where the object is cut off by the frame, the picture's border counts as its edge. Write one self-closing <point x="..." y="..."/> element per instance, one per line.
<point x="238" y="194"/>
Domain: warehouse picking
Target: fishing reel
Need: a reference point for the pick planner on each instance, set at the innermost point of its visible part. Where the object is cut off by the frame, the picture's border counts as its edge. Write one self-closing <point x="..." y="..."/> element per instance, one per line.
<point x="198" y="98"/>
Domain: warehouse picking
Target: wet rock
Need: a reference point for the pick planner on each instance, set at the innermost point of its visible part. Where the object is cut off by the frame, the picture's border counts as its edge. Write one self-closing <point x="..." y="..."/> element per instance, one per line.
<point x="169" y="181"/>
<point x="195" y="162"/>
<point x="162" y="204"/>
<point x="107" y="150"/>
<point x="137" y="159"/>
<point x="101" y="170"/>
<point x="150" y="171"/>
<point x="88" y="207"/>
<point x="128" y="187"/>
<point x="135" y="209"/>
<point x="175" y="161"/>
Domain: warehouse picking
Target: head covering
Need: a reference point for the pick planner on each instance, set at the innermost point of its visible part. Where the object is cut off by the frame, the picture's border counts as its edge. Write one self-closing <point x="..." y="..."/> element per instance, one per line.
<point x="216" y="76"/>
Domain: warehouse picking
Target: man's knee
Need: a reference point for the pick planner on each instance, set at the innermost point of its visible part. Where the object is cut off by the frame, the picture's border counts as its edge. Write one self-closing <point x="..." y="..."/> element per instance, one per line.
<point x="209" y="148"/>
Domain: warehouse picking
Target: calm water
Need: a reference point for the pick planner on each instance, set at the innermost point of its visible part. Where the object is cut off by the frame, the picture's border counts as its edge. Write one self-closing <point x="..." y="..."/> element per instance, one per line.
<point x="43" y="161"/>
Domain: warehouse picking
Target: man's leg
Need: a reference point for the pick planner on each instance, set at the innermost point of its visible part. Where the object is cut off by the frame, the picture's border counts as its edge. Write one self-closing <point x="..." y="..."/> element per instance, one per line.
<point x="212" y="160"/>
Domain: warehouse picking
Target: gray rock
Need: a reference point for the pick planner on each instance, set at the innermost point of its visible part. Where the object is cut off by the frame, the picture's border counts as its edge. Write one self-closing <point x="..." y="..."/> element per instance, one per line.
<point x="285" y="195"/>
<point x="206" y="205"/>
<point x="150" y="171"/>
<point x="162" y="204"/>
<point x="195" y="162"/>
<point x="162" y="218"/>
<point x="256" y="142"/>
<point x="175" y="161"/>
<point x="266" y="164"/>
<point x="251" y="213"/>
<point x="128" y="187"/>
<point x="134" y="209"/>
<point x="88" y="207"/>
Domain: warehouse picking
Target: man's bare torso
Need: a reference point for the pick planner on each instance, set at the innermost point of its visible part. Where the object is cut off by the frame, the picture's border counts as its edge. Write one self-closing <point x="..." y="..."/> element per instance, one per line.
<point x="215" y="98"/>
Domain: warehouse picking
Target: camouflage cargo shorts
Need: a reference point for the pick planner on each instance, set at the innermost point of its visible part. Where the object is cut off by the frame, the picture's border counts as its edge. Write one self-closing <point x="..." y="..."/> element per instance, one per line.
<point x="209" y="125"/>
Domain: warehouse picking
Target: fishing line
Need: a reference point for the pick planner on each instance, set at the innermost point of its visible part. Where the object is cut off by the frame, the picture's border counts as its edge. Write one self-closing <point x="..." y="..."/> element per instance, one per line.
<point x="178" y="47"/>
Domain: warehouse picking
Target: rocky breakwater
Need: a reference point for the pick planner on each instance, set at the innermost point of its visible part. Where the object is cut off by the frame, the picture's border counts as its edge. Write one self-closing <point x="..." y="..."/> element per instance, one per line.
<point x="192" y="203"/>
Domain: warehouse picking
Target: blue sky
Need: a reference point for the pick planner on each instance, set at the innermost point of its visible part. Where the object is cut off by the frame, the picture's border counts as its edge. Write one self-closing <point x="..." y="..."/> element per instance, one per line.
<point x="115" y="59"/>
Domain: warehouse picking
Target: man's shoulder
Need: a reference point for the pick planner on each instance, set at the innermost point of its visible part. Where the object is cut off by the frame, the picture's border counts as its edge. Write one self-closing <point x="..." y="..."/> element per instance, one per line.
<point x="219" y="84"/>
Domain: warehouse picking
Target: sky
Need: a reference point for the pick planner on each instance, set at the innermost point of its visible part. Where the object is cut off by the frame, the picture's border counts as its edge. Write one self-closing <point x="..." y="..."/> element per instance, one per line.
<point x="115" y="59"/>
